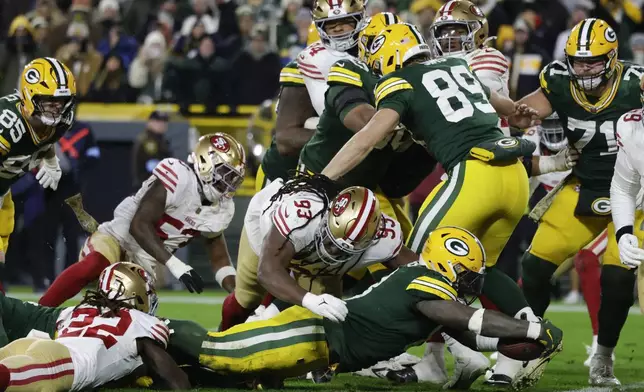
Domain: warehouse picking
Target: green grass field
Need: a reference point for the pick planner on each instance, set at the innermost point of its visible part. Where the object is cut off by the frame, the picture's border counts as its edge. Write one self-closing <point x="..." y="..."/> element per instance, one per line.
<point x="565" y="373"/>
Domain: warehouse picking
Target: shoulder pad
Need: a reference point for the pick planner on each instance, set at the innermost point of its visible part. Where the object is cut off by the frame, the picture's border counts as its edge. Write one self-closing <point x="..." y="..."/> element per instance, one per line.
<point x="315" y="61"/>
<point x="390" y="241"/>
<point x="153" y="327"/>
<point x="629" y="125"/>
<point x="296" y="211"/>
<point x="488" y="59"/>
<point x="551" y="74"/>
<point x="390" y="84"/>
<point x="172" y="173"/>
<point x="347" y="72"/>
<point x="290" y="75"/>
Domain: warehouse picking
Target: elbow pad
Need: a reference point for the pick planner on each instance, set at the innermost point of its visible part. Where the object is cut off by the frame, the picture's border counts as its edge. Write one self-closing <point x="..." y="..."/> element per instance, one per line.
<point x="311" y="123"/>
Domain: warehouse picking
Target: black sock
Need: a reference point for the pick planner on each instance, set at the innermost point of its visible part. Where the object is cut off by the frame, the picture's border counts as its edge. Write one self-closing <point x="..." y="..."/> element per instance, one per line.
<point x="503" y="292"/>
<point x="617" y="297"/>
<point x="536" y="282"/>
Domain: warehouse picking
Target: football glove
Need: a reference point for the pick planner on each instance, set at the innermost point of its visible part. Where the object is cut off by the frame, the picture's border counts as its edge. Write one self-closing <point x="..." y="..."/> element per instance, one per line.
<point x="630" y="253"/>
<point x="550" y="336"/>
<point x="326" y="305"/>
<point x="188" y="276"/>
<point x="564" y="160"/>
<point x="49" y="173"/>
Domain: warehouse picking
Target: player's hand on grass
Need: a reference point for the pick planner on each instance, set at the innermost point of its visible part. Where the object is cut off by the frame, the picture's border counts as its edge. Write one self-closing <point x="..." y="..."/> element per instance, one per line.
<point x="188" y="276"/>
<point x="326" y="305"/>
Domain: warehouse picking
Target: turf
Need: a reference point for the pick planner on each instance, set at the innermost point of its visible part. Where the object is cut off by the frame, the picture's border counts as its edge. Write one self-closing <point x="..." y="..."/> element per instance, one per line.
<point x="566" y="372"/>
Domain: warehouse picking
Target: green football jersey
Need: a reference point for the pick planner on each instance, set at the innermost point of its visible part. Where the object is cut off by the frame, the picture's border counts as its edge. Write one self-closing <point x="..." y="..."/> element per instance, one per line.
<point x="590" y="126"/>
<point x="274" y="164"/>
<point x="19" y="152"/>
<point x="18" y="318"/>
<point x="383" y="321"/>
<point x="331" y="134"/>
<point x="444" y="105"/>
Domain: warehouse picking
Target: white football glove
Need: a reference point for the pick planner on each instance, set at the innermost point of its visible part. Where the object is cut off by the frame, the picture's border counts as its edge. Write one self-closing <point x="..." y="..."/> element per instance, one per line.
<point x="326" y="305"/>
<point x="49" y="173"/>
<point x="630" y="253"/>
<point x="564" y="160"/>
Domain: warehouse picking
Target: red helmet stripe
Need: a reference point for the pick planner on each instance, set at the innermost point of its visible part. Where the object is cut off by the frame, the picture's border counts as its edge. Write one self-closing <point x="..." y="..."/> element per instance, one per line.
<point x="107" y="278"/>
<point x="361" y="222"/>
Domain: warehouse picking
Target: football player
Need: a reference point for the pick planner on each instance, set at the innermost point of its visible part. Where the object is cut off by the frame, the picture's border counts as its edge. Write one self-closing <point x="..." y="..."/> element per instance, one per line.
<point x="401" y="310"/>
<point x="295" y="226"/>
<point x="178" y="202"/>
<point x="31" y="122"/>
<point x="111" y="333"/>
<point x="590" y="91"/>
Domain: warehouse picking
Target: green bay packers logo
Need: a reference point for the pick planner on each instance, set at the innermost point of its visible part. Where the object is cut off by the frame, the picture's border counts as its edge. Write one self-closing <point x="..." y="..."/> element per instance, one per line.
<point x="610" y="35"/>
<point x="507" y="142"/>
<point x="32" y="76"/>
<point x="457" y="247"/>
<point x="377" y="43"/>
<point x="601" y="206"/>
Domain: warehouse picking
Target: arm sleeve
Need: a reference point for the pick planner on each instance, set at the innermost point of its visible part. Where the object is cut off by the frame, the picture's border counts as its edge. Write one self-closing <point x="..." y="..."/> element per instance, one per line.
<point x="623" y="191"/>
<point x="315" y="84"/>
<point x="342" y="99"/>
<point x="394" y="93"/>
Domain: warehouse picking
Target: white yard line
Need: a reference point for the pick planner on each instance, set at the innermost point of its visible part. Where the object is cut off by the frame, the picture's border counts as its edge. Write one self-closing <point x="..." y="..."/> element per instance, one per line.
<point x="636" y="385"/>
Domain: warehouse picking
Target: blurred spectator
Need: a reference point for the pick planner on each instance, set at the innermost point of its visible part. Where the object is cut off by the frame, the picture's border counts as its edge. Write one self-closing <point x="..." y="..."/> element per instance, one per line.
<point x="202" y="10"/>
<point x="297" y="42"/>
<point x="165" y="24"/>
<point x="424" y="12"/>
<point x="526" y="60"/>
<point x="150" y="148"/>
<point x="78" y="154"/>
<point x="110" y="85"/>
<point x="8" y="11"/>
<point x="80" y="11"/>
<point x="203" y="77"/>
<point x="146" y="72"/>
<point x="376" y="6"/>
<point x="624" y="16"/>
<point x="18" y="50"/>
<point x="287" y="28"/>
<point x="637" y="47"/>
<point x="190" y="41"/>
<point x="41" y="29"/>
<point x="118" y="43"/>
<point x="48" y="10"/>
<point x="498" y="13"/>
<point x="547" y="19"/>
<point x="80" y="56"/>
<point x="579" y="12"/>
<point x="257" y="70"/>
<point x="245" y="21"/>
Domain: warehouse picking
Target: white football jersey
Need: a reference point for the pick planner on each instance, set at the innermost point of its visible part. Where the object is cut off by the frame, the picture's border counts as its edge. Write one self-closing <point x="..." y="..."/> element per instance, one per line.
<point x="314" y="63"/>
<point x="297" y="217"/>
<point x="492" y="69"/>
<point x="626" y="188"/>
<point x="185" y="216"/>
<point x="549" y="180"/>
<point x="104" y="349"/>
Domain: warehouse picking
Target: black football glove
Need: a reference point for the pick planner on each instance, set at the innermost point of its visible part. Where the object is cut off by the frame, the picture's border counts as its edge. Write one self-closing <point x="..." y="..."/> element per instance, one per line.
<point x="192" y="281"/>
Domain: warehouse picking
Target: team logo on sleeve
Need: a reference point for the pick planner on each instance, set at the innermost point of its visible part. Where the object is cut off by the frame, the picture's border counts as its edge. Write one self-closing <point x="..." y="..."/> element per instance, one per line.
<point x="507" y="142"/>
<point x="457" y="247"/>
<point x="220" y="143"/>
<point x="601" y="206"/>
<point x="32" y="76"/>
<point x="341" y="204"/>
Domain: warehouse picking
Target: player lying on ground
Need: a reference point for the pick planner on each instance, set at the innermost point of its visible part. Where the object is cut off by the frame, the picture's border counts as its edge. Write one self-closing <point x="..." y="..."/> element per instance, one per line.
<point x="177" y="203"/>
<point x="295" y="226"/>
<point x="401" y="310"/>
<point x="110" y="334"/>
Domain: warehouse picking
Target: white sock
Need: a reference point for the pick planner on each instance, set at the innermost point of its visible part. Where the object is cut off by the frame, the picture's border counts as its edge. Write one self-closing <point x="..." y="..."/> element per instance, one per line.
<point x="603" y="350"/>
<point x="432" y="366"/>
<point x="594" y="341"/>
<point x="507" y="366"/>
<point x="526" y="314"/>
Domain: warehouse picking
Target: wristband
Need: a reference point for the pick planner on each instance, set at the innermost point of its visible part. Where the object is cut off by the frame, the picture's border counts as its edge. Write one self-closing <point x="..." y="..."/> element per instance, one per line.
<point x="476" y="321"/>
<point x="223" y="273"/>
<point x="534" y="330"/>
<point x="177" y="267"/>
<point x="623" y="230"/>
<point x="546" y="164"/>
<point x="484" y="343"/>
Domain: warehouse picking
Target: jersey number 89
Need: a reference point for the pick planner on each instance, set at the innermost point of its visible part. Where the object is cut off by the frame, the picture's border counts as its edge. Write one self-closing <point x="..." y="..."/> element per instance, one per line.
<point x="450" y="88"/>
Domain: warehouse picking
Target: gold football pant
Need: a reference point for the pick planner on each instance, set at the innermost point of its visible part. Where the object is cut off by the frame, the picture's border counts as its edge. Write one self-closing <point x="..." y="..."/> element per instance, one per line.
<point x="287" y="345"/>
<point x="486" y="199"/>
<point x="7" y="212"/>
<point x="561" y="234"/>
<point x="38" y="365"/>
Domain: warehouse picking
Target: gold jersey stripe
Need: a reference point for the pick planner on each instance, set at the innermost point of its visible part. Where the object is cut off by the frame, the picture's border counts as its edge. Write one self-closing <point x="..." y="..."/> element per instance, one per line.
<point x="344" y="79"/>
<point x="438" y="282"/>
<point x="426" y="289"/>
<point x="402" y="85"/>
<point x="605" y="100"/>
<point x="344" y="71"/>
<point x="292" y="79"/>
<point x="4" y="144"/>
<point x="383" y="85"/>
<point x="451" y="293"/>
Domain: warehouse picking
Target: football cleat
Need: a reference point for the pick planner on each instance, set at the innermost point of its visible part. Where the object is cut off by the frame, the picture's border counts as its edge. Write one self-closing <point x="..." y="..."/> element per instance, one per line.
<point x="601" y="372"/>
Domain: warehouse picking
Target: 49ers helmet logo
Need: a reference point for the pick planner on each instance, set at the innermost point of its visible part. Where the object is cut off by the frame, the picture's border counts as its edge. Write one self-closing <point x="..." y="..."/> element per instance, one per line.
<point x="457" y="247"/>
<point x="341" y="204"/>
<point x="476" y="11"/>
<point x="601" y="206"/>
<point x="220" y="143"/>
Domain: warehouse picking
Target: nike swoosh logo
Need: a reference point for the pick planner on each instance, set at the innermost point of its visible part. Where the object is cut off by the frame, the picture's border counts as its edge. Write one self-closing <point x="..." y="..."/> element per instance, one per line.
<point x="549" y="334"/>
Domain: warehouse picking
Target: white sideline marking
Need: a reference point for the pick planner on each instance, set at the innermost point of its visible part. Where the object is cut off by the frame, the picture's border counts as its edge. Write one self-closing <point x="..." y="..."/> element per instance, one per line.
<point x="636" y="385"/>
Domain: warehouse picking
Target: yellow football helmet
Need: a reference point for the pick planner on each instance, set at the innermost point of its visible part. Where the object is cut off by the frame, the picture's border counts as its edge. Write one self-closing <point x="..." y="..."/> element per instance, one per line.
<point x="331" y="11"/>
<point x="459" y="27"/>
<point x="590" y="41"/>
<point x="350" y="225"/>
<point x="374" y="25"/>
<point x="459" y="256"/>
<point x="313" y="35"/>
<point x="394" y="46"/>
<point x="220" y="163"/>
<point x="47" y="91"/>
<point x="129" y="284"/>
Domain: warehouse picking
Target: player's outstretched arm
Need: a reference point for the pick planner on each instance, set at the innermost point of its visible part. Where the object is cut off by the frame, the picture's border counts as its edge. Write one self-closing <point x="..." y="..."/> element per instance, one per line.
<point x="161" y="364"/>
<point x="220" y="262"/>
<point x="360" y="145"/>
<point x="293" y="109"/>
<point x="142" y="229"/>
<point x="405" y="256"/>
<point x="536" y="100"/>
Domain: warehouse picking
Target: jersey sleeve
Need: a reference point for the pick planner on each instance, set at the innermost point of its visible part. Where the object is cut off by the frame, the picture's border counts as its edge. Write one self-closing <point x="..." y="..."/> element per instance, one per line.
<point x="394" y="93"/>
<point x="11" y="118"/>
<point x="491" y="67"/>
<point x="551" y="77"/>
<point x="625" y="184"/>
<point x="294" y="218"/>
<point x="430" y="286"/>
<point x="313" y="76"/>
<point x="290" y="76"/>
<point x="150" y="327"/>
<point x="174" y="175"/>
<point x="390" y="241"/>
